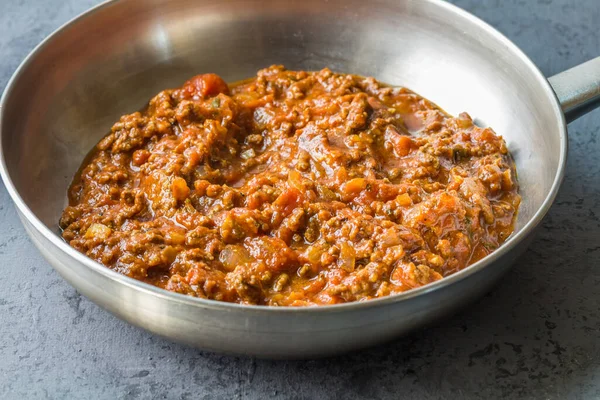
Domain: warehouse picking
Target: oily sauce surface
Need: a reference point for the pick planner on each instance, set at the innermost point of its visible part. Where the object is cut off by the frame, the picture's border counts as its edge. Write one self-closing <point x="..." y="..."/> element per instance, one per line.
<point x="292" y="188"/>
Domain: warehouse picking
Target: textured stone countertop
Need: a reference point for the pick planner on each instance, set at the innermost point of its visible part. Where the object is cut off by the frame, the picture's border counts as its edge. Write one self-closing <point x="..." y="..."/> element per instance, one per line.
<point x="535" y="336"/>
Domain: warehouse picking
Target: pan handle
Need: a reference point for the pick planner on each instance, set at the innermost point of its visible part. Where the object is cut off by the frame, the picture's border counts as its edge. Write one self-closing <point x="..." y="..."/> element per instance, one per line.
<point x="578" y="89"/>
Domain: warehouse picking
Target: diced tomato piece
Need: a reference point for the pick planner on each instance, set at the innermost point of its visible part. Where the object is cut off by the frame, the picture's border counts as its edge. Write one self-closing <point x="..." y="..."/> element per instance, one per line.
<point x="288" y="200"/>
<point x="205" y="85"/>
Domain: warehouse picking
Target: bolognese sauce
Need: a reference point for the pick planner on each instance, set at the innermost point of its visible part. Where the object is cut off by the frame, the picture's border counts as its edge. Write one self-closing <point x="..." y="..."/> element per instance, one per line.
<point x="292" y="188"/>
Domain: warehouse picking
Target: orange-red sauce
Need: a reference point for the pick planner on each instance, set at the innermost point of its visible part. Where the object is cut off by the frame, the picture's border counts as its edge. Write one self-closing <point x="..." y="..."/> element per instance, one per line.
<point x="292" y="188"/>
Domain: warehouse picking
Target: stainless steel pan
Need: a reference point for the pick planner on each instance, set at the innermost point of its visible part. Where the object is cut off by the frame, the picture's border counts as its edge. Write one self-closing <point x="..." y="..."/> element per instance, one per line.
<point x="112" y="59"/>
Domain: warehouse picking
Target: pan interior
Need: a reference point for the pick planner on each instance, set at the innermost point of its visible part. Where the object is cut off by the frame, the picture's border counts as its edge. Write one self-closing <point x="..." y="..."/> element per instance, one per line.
<point x="112" y="62"/>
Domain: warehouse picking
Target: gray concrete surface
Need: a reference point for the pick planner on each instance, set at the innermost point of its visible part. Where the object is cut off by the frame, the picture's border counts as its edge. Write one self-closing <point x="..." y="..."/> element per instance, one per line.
<point x="536" y="336"/>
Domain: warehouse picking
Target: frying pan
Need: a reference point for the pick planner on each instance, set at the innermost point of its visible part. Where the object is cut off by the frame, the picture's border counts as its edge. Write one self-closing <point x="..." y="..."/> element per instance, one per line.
<point x="112" y="59"/>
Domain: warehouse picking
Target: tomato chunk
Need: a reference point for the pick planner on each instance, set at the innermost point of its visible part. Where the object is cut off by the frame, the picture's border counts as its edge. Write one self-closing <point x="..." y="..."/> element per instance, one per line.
<point x="205" y="85"/>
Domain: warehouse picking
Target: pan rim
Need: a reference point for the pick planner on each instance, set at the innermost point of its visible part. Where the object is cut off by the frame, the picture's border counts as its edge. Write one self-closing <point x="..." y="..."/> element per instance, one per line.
<point x="28" y="215"/>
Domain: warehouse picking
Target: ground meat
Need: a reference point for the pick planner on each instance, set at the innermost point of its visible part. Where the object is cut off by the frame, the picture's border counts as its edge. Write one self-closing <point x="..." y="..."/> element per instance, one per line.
<point x="292" y="188"/>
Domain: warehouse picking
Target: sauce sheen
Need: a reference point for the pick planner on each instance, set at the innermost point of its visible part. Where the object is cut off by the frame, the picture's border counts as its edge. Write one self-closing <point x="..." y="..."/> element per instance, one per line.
<point x="292" y="188"/>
